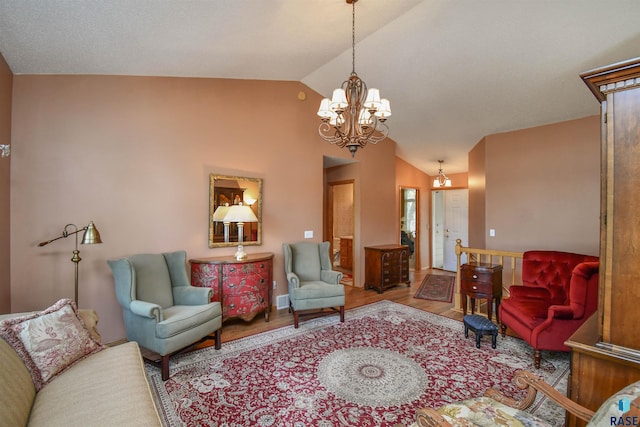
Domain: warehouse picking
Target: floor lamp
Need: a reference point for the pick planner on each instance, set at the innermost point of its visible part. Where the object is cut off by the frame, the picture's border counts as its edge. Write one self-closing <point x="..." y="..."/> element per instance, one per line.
<point x="90" y="236"/>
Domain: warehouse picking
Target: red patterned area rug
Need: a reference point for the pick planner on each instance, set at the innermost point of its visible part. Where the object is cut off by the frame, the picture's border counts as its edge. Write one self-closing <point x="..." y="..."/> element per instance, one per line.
<point x="436" y="287"/>
<point x="375" y="369"/>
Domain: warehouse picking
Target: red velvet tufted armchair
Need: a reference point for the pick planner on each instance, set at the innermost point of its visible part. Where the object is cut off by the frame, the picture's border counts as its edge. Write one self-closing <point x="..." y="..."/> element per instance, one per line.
<point x="559" y="293"/>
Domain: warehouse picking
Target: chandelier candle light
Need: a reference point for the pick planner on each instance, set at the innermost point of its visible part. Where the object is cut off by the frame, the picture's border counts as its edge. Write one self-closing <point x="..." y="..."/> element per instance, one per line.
<point x="354" y="116"/>
<point x="441" y="180"/>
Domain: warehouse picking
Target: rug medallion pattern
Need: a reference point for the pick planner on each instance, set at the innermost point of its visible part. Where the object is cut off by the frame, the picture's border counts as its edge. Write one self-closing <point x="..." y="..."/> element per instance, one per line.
<point x="376" y="369"/>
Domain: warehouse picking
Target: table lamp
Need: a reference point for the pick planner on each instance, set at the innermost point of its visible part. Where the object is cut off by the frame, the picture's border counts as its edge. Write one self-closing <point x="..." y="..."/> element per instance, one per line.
<point x="240" y="214"/>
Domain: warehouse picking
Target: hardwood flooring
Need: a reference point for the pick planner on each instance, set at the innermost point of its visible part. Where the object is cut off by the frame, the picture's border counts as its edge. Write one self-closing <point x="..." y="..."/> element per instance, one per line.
<point x="236" y="328"/>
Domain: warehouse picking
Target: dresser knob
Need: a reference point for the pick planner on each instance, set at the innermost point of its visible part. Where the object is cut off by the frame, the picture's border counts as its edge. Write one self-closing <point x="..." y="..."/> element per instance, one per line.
<point x="232" y="285"/>
<point x="261" y="280"/>
<point x="232" y="269"/>
<point x="232" y="306"/>
<point x="475" y="288"/>
<point x="475" y="276"/>
<point x="261" y="265"/>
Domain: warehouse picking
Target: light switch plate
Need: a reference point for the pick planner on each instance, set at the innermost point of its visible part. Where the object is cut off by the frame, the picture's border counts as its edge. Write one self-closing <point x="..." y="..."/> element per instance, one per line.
<point x="492" y="232"/>
<point x="308" y="234"/>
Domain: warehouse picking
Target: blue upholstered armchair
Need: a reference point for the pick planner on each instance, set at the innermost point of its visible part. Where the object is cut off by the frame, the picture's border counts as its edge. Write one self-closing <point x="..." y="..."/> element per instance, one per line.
<point x="162" y="311"/>
<point x="313" y="285"/>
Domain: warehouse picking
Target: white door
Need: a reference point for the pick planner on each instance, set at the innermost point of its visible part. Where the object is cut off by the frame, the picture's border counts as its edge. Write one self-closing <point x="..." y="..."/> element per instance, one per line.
<point x="456" y="224"/>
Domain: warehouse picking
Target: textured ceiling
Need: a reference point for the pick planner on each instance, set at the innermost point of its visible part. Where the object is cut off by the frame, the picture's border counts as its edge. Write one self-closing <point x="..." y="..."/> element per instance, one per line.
<point x="454" y="70"/>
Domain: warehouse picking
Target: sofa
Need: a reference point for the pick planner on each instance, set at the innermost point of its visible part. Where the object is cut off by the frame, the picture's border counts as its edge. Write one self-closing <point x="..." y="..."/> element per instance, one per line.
<point x="106" y="387"/>
<point x="558" y="294"/>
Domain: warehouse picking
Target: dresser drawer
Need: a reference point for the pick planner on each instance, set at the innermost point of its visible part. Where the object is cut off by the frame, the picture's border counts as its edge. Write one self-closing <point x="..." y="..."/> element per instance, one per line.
<point x="473" y="275"/>
<point x="477" y="288"/>
<point x="241" y="304"/>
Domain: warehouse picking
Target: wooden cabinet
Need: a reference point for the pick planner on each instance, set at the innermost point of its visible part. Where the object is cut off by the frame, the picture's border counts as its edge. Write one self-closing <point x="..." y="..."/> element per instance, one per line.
<point x="605" y="351"/>
<point x="243" y="287"/>
<point x="346" y="252"/>
<point x="386" y="266"/>
<point x="481" y="281"/>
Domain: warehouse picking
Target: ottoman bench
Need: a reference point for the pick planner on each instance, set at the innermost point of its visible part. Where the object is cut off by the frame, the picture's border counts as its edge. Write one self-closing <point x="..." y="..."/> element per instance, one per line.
<point x="480" y="326"/>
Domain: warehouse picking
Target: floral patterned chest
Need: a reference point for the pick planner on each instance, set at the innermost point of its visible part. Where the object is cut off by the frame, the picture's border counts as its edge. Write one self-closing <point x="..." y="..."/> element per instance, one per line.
<point x="243" y="287"/>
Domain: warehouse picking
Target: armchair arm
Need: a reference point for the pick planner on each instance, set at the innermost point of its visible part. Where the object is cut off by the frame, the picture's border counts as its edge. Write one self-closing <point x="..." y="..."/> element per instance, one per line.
<point x="561" y="312"/>
<point x="293" y="279"/>
<point x="331" y="276"/>
<point x="532" y="383"/>
<point x="529" y="292"/>
<point x="192" y="295"/>
<point x="146" y="309"/>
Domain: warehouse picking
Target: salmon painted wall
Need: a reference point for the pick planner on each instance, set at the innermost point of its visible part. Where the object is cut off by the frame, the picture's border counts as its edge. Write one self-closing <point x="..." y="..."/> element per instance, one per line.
<point x="543" y="187"/>
<point x="134" y="155"/>
<point x="477" y="190"/>
<point x="6" y="82"/>
<point x="374" y="204"/>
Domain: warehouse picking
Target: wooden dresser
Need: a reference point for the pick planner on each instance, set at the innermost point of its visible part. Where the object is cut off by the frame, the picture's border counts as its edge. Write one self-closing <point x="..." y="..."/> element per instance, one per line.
<point x="480" y="280"/>
<point x="605" y="351"/>
<point x="346" y="252"/>
<point x="244" y="287"/>
<point x="386" y="266"/>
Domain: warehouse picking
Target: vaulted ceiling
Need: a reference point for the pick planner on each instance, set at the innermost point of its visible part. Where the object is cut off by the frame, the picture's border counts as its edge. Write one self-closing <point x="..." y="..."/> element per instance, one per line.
<point x="454" y="70"/>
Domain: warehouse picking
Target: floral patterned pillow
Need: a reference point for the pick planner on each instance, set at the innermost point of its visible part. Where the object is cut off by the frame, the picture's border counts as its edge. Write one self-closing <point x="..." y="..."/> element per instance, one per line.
<point x="50" y="341"/>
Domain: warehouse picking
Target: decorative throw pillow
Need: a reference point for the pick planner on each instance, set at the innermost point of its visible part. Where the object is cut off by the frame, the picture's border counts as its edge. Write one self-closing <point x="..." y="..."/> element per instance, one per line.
<point x="50" y="341"/>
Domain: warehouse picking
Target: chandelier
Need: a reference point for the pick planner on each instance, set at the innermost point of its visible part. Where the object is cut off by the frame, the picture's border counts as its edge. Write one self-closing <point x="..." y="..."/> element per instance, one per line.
<point x="441" y="180"/>
<point x="354" y="116"/>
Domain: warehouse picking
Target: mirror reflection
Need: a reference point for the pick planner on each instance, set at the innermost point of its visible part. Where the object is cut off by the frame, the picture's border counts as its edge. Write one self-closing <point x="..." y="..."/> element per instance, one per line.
<point x="224" y="222"/>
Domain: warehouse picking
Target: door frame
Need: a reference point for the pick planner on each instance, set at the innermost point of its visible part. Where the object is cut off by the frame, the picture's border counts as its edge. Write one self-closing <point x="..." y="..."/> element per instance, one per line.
<point x="329" y="221"/>
<point x="416" y="251"/>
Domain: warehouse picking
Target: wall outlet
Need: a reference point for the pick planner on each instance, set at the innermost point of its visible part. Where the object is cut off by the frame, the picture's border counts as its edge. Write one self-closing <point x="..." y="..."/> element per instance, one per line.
<point x="492" y="232"/>
<point x="308" y="234"/>
<point x="274" y="284"/>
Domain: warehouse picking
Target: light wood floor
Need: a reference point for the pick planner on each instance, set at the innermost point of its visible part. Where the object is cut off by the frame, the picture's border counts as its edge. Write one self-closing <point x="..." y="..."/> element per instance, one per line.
<point x="355" y="297"/>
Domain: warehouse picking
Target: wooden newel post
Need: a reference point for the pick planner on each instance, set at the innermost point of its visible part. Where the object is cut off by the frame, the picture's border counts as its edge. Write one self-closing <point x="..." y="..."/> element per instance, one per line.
<point x="457" y="302"/>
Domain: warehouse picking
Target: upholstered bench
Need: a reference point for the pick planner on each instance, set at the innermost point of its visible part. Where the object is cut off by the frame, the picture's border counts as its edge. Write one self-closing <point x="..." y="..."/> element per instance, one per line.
<point x="480" y="326"/>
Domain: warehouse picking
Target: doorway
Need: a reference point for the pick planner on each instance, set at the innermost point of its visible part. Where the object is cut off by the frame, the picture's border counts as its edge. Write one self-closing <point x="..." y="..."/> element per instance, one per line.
<point x="450" y="221"/>
<point x="410" y="224"/>
<point x="341" y="225"/>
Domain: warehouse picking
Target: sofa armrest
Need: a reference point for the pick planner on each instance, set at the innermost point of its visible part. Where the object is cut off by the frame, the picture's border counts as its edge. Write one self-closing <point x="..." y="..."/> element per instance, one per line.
<point x="192" y="295"/>
<point x="146" y="309"/>
<point x="533" y="383"/>
<point x="529" y="292"/>
<point x="331" y="276"/>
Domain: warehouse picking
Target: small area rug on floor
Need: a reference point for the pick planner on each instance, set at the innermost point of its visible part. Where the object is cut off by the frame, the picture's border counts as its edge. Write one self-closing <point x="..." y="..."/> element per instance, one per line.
<point x="376" y="369"/>
<point x="436" y="287"/>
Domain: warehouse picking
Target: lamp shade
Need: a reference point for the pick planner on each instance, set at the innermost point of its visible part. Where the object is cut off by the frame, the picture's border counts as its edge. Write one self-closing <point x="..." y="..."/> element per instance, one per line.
<point x="91" y="235"/>
<point x="240" y="213"/>
<point x="220" y="212"/>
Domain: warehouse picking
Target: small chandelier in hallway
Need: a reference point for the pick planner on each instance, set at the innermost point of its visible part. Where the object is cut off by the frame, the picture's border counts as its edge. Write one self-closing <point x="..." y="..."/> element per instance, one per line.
<point x="441" y="180"/>
<point x="354" y="116"/>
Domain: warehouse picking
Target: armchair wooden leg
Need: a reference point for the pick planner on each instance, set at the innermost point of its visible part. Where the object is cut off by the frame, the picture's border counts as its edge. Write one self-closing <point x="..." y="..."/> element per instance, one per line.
<point x="503" y="329"/>
<point x="219" y="339"/>
<point x="342" y="313"/>
<point x="537" y="356"/>
<point x="164" y="367"/>
<point x="295" y="319"/>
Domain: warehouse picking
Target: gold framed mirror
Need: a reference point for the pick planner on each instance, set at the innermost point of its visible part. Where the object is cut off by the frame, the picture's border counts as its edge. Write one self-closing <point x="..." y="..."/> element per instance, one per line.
<point x="224" y="192"/>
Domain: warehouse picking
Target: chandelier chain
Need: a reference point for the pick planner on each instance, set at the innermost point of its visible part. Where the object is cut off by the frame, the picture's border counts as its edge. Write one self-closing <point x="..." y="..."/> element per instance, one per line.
<point x="353" y="37"/>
